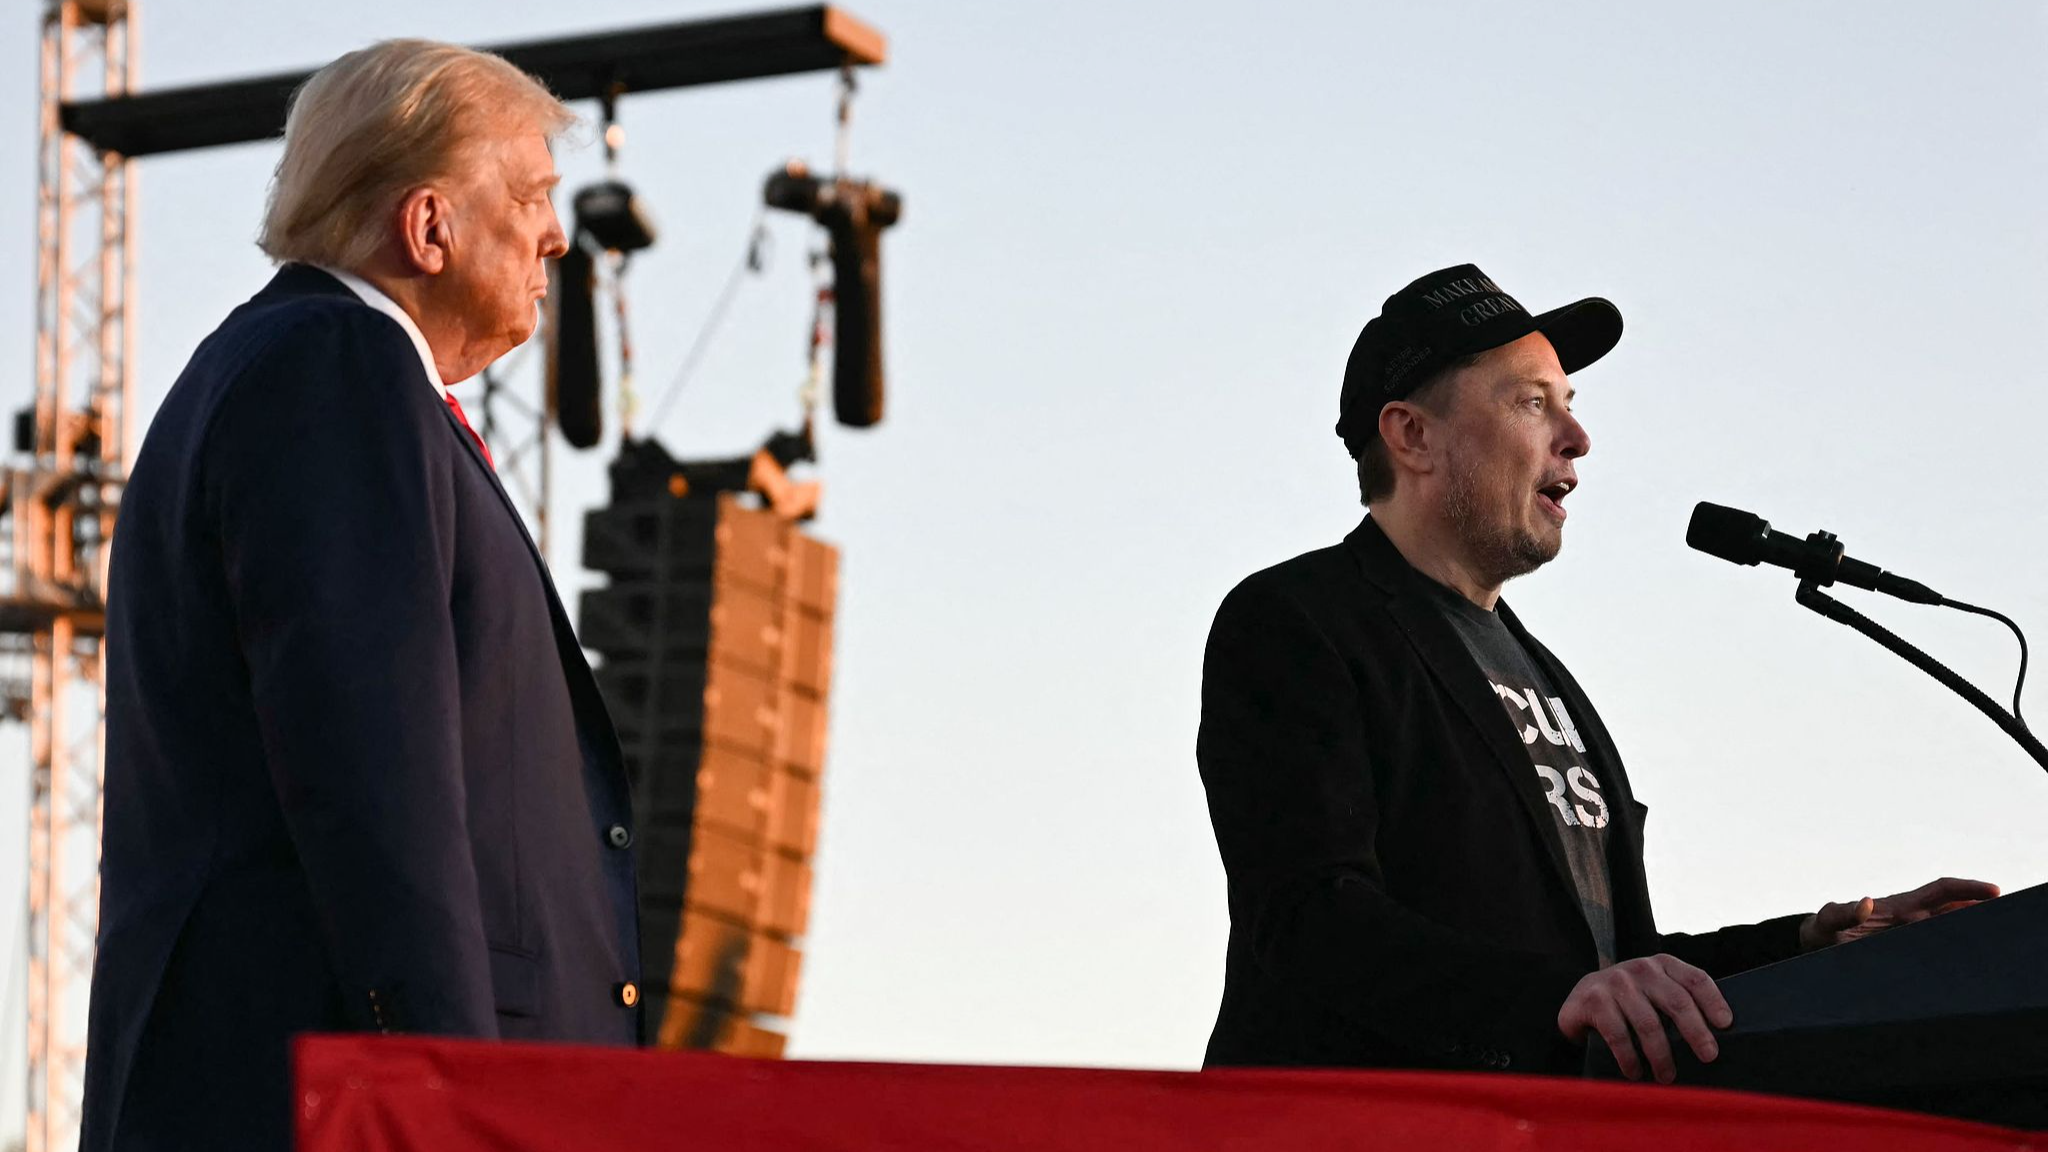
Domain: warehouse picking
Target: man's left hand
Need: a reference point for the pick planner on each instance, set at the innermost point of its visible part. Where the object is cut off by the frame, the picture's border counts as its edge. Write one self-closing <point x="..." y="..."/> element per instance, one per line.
<point x="1841" y="923"/>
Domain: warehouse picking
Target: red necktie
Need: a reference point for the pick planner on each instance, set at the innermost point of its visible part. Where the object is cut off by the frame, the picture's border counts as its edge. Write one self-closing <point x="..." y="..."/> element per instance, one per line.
<point x="464" y="421"/>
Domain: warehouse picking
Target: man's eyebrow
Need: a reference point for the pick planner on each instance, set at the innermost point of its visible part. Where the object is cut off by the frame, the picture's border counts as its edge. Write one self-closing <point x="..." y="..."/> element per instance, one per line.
<point x="1541" y="382"/>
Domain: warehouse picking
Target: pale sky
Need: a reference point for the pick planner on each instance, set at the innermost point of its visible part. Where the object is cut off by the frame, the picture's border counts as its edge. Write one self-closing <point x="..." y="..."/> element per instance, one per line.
<point x="1138" y="242"/>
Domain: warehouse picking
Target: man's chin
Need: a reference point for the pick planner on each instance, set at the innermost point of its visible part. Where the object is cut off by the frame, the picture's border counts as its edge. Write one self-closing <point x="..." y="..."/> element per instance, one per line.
<point x="520" y="333"/>
<point x="1531" y="550"/>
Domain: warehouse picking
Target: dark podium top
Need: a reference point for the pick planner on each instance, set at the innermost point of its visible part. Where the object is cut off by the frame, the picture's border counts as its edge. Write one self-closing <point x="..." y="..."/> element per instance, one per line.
<point x="1949" y="1015"/>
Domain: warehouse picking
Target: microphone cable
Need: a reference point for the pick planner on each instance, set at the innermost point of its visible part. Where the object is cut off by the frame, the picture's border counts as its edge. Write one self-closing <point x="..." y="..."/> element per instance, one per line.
<point x="2002" y="618"/>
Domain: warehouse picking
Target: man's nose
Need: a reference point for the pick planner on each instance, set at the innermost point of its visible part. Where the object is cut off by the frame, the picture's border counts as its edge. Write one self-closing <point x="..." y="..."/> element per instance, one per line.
<point x="1576" y="442"/>
<point x="553" y="243"/>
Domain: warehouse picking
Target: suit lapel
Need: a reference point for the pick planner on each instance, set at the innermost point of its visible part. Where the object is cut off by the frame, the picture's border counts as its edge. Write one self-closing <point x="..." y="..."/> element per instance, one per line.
<point x="1629" y="889"/>
<point x="582" y="685"/>
<point x="1600" y="746"/>
<point x="302" y="279"/>
<point x="1454" y="668"/>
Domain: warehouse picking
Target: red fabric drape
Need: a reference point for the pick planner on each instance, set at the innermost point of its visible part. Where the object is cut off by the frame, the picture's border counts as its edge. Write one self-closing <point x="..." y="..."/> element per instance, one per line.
<point x="400" y="1094"/>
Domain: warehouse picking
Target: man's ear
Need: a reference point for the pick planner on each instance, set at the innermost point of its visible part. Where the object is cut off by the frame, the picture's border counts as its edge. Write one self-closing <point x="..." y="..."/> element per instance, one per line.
<point x="424" y="230"/>
<point x="1409" y="432"/>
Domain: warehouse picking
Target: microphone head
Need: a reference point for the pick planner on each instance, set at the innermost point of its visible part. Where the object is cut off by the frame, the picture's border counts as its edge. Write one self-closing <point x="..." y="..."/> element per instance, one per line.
<point x="1730" y="533"/>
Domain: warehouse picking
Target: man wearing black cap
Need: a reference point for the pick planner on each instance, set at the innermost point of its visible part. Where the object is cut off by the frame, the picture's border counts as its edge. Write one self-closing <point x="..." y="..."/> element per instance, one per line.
<point x="1434" y="856"/>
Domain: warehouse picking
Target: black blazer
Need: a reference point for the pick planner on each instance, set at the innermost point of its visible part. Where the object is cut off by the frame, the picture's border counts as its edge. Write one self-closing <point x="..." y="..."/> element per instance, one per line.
<point x="358" y="775"/>
<point x="1399" y="895"/>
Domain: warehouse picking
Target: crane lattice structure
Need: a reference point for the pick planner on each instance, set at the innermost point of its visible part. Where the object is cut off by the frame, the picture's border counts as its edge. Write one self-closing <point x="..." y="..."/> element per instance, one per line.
<point x="73" y="445"/>
<point x="56" y="517"/>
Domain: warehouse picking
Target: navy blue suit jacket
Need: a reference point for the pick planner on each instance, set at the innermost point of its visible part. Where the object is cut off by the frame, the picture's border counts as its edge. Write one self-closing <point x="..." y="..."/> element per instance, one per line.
<point x="358" y="775"/>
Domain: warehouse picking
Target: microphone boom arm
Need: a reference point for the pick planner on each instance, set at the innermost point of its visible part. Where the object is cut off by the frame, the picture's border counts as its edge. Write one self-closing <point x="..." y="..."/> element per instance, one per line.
<point x="1811" y="596"/>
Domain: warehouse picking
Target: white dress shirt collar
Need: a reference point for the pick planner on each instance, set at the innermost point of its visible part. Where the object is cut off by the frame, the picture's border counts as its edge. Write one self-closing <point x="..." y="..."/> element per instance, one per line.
<point x="369" y="294"/>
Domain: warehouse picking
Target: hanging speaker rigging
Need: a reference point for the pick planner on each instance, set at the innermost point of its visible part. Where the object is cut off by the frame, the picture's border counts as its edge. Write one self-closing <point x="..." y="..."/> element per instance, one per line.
<point x="572" y="346"/>
<point x="853" y="213"/>
<point x="609" y="218"/>
<point x="613" y="215"/>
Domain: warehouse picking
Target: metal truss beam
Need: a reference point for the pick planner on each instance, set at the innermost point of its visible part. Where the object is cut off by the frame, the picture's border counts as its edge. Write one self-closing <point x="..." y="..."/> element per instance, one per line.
<point x="56" y="518"/>
<point x="679" y="55"/>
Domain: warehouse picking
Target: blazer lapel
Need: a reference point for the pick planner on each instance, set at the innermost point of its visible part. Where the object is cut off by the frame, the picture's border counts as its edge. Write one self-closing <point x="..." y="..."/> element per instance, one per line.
<point x="302" y="279"/>
<point x="1634" y="925"/>
<point x="582" y="685"/>
<point x="1454" y="668"/>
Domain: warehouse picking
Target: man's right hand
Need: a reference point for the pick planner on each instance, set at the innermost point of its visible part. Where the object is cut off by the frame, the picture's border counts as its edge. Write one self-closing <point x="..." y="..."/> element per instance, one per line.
<point x="1637" y="996"/>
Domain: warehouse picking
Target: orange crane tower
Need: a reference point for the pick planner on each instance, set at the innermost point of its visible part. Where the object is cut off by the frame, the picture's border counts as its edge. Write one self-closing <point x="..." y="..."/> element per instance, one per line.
<point x="57" y="509"/>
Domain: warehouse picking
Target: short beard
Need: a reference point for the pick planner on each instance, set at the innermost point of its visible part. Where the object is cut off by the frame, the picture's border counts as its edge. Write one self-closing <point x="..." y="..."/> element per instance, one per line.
<point x="1498" y="552"/>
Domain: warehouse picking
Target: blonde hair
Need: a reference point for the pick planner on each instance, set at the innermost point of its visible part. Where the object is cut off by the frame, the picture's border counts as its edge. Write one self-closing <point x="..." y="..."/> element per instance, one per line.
<point x="376" y="124"/>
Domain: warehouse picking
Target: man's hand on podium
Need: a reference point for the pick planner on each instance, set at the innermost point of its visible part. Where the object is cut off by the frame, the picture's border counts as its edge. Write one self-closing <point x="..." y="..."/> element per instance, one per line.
<point x="1637" y="996"/>
<point x="1841" y="923"/>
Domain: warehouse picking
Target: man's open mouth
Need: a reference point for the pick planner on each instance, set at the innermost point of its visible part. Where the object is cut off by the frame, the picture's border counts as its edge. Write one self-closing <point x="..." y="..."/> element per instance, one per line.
<point x="1552" y="495"/>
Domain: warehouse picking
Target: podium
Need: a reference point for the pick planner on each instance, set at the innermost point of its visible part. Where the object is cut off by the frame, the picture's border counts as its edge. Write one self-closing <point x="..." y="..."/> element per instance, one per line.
<point x="1948" y="1015"/>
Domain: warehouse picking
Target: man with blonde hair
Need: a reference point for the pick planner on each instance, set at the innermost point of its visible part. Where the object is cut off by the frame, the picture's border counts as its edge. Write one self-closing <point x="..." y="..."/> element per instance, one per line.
<point x="358" y="774"/>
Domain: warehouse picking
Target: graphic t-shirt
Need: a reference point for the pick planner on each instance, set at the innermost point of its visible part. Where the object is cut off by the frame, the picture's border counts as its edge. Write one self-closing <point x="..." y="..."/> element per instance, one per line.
<point x="1557" y="753"/>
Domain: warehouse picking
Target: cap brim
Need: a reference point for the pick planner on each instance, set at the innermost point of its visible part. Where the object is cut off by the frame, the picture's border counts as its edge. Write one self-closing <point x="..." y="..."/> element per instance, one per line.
<point x="1582" y="332"/>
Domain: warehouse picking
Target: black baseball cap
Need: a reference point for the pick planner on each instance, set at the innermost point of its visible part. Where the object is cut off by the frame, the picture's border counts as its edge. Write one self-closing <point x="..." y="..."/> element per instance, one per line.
<point x="1442" y="318"/>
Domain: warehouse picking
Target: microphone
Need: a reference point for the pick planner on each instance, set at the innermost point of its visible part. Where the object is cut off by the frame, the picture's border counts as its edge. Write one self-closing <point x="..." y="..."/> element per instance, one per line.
<point x="1745" y="538"/>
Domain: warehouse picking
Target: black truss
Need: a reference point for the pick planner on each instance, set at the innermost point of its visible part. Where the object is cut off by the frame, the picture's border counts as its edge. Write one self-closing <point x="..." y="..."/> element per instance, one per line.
<point x="679" y="55"/>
